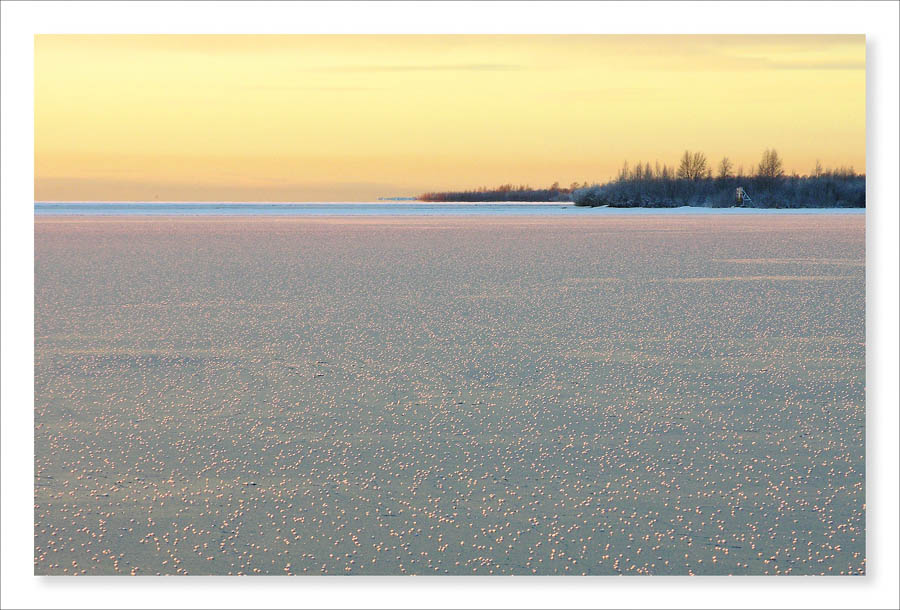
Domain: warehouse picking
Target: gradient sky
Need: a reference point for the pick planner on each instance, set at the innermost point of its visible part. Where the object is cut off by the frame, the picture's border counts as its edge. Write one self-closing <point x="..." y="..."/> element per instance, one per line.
<point x="344" y="118"/>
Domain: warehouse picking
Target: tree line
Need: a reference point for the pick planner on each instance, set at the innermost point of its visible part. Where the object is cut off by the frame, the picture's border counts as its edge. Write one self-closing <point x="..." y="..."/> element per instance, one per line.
<point x="694" y="182"/>
<point x="508" y="192"/>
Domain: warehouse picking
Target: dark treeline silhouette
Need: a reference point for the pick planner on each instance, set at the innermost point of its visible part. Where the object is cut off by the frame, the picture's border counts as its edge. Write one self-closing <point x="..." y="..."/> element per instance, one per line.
<point x="694" y="183"/>
<point x="507" y="192"/>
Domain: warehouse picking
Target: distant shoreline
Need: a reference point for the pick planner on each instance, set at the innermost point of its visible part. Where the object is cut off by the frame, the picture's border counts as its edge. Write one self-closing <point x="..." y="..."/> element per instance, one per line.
<point x="394" y="209"/>
<point x="691" y="184"/>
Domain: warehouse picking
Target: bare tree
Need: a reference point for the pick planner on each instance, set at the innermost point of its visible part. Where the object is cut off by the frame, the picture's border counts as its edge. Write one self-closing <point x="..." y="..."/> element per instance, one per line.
<point x="701" y="168"/>
<point x="725" y="168"/>
<point x="693" y="166"/>
<point x="684" y="169"/>
<point x="817" y="170"/>
<point x="771" y="166"/>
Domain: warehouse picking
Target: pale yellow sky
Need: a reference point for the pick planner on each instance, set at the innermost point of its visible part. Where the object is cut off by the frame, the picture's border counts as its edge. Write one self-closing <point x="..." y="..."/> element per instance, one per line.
<point x="343" y="118"/>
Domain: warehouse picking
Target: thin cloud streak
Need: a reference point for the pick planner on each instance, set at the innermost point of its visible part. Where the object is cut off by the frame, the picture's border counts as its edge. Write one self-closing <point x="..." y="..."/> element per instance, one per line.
<point x="426" y="68"/>
<point x="808" y="65"/>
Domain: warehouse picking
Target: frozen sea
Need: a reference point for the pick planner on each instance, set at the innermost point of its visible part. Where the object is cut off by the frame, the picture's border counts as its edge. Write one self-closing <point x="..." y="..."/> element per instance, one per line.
<point x="393" y="208"/>
<point x="636" y="393"/>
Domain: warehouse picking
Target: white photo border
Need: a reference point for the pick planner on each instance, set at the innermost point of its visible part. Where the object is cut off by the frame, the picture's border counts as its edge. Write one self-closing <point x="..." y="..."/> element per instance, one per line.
<point x="22" y="20"/>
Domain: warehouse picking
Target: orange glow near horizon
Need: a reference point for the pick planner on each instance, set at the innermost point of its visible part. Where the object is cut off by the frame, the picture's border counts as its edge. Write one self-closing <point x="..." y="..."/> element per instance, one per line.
<point x="349" y="118"/>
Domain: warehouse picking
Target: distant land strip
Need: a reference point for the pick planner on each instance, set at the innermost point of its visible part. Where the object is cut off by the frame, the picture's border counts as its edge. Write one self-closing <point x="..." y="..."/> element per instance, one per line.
<point x="693" y="183"/>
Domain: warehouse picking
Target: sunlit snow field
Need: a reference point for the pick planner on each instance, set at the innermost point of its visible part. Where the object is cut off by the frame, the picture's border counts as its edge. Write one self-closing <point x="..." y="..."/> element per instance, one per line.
<point x="576" y="392"/>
